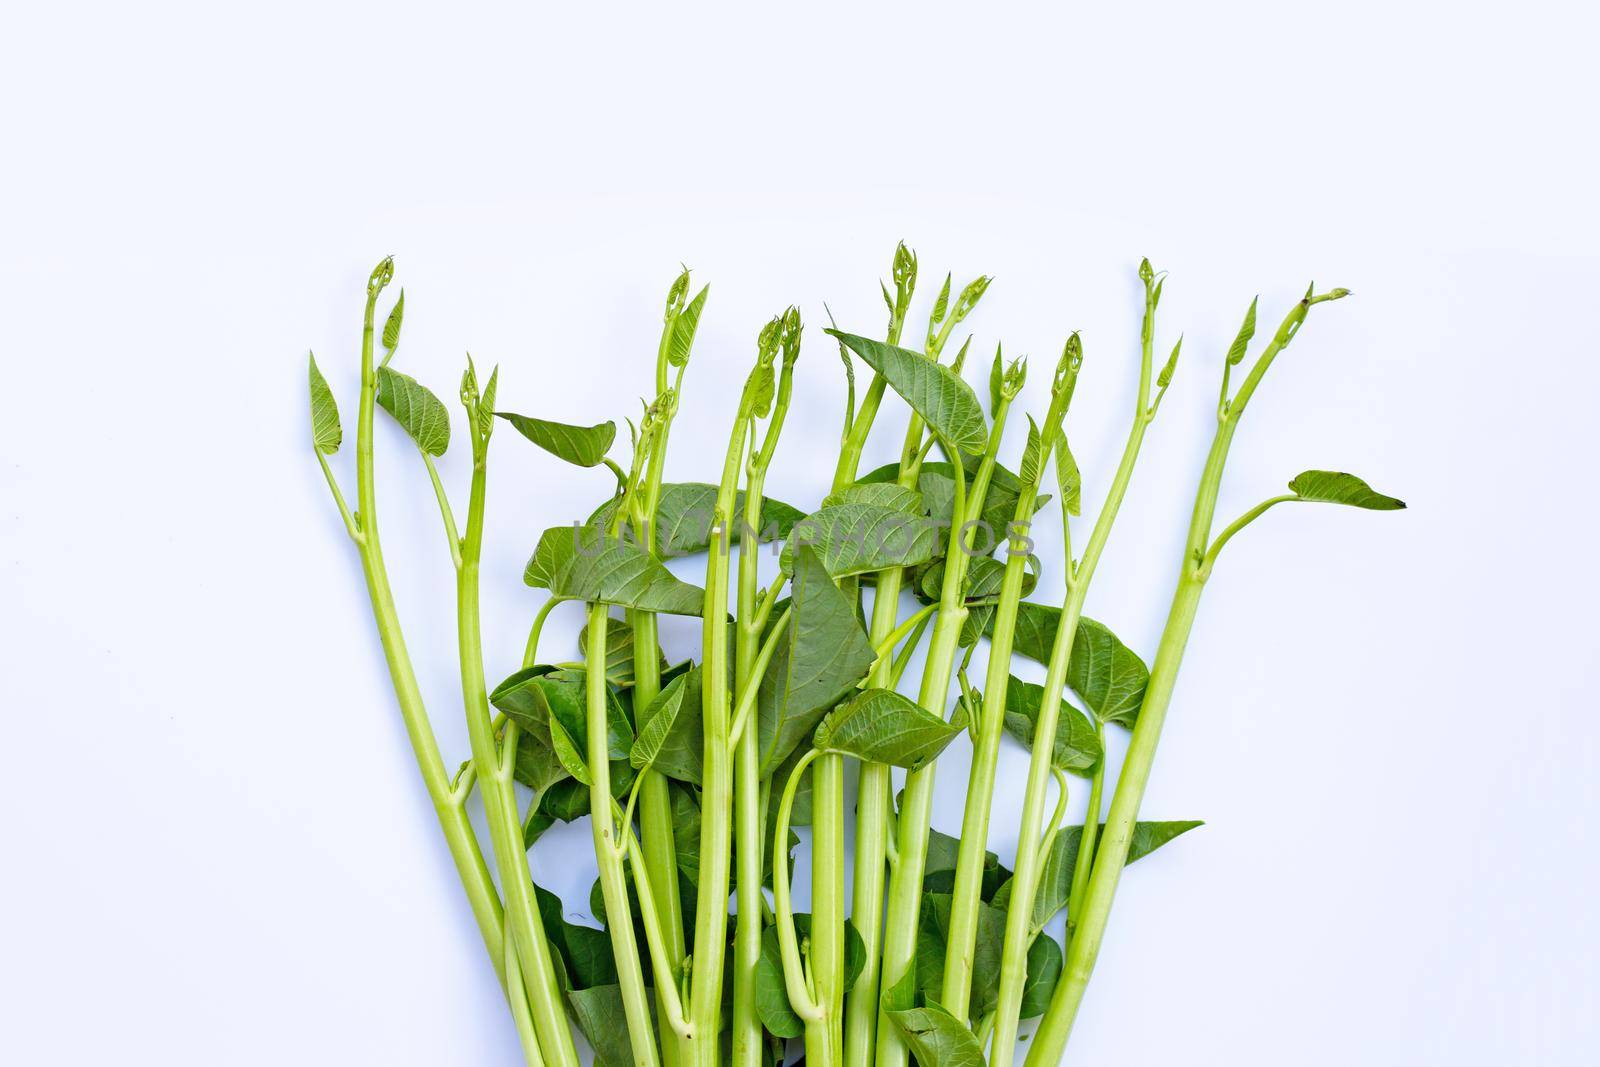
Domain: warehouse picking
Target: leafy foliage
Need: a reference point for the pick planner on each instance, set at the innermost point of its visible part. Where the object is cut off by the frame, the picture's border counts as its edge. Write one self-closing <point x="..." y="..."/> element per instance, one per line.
<point x="1335" y="487"/>
<point x="583" y="446"/>
<point x="326" y="434"/>
<point x="422" y="415"/>
<point x="881" y="726"/>
<point x="946" y="403"/>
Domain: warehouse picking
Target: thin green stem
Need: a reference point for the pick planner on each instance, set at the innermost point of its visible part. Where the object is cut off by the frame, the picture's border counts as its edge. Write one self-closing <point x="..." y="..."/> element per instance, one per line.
<point x="495" y="780"/>
<point x="530" y="651"/>
<point x="1234" y="527"/>
<point x="350" y="526"/>
<point x="608" y="851"/>
<point x="526" y="1034"/>
<point x="451" y="537"/>
<point x="1091" y="834"/>
<point x="463" y="844"/>
<point x="794" y="976"/>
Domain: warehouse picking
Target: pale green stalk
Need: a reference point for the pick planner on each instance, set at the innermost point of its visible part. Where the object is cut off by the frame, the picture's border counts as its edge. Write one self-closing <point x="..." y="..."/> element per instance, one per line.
<point x="909" y="851"/>
<point x="609" y="851"/>
<point x="1111" y="855"/>
<point x="495" y="764"/>
<point x="658" y="845"/>
<point x="966" y="898"/>
<point x="1031" y="848"/>
<point x="716" y="794"/>
<point x="748" y="1043"/>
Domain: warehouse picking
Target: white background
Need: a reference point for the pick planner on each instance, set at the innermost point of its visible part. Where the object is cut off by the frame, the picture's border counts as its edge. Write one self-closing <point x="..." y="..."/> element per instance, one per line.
<point x="216" y="849"/>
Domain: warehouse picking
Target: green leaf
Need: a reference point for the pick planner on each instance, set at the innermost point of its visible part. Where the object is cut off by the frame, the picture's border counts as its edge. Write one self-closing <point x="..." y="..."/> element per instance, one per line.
<point x="684" y="329"/>
<point x="1044" y="970"/>
<point x="1068" y="477"/>
<point x="1107" y="674"/>
<point x="1077" y="748"/>
<point x="1055" y="876"/>
<point x="937" y="1038"/>
<point x="1032" y="461"/>
<point x="537" y="765"/>
<point x="772" y="995"/>
<point x="326" y="434"/>
<point x="1241" y="343"/>
<point x="933" y="940"/>
<point x="566" y="750"/>
<point x="686" y="833"/>
<point x="486" y="403"/>
<point x="584" y="446"/>
<point x="684" y="517"/>
<point x="599" y="1014"/>
<point x="610" y="570"/>
<point x="1336" y="487"/>
<point x="671" y="736"/>
<point x="391" y="328"/>
<point x="939" y="869"/>
<point x="881" y="726"/>
<point x="861" y="538"/>
<point x="821" y="656"/>
<point x="619" y="651"/>
<point x="946" y="403"/>
<point x="889" y="495"/>
<point x="997" y="375"/>
<point x="585" y="950"/>
<point x="937" y="485"/>
<point x="421" y="414"/>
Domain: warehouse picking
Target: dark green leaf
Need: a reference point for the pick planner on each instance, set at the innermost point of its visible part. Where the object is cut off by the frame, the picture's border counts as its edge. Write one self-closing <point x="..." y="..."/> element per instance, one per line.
<point x="671" y="738"/>
<point x="585" y="446"/>
<point x="877" y="494"/>
<point x="537" y="766"/>
<point x="600" y="1014"/>
<point x="933" y="937"/>
<point x="861" y="538"/>
<point x="1336" y="487"/>
<point x="937" y="1038"/>
<point x="685" y="513"/>
<point x="1055" y="876"/>
<point x="1107" y="674"/>
<point x="421" y="414"/>
<point x="946" y="403"/>
<point x="881" y="726"/>
<point x="772" y="995"/>
<point x="821" y="656"/>
<point x="1044" y="970"/>
<point x="326" y="433"/>
<point x="1077" y="747"/>
<point x="619" y="651"/>
<point x="614" y="570"/>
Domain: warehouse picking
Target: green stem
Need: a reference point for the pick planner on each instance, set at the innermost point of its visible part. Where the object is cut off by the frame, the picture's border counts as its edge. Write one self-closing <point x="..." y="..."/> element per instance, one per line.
<point x="1091" y="834"/>
<point x="824" y="1040"/>
<point x="609" y="852"/>
<point x="457" y="830"/>
<point x="526" y="1034"/>
<point x="1031" y="851"/>
<point x="898" y="977"/>
<point x="1112" y="853"/>
<point x="716" y="794"/>
<point x="495" y="779"/>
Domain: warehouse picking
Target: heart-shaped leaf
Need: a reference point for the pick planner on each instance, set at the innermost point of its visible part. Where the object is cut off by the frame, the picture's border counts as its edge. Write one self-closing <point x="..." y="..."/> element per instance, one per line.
<point x="421" y="414"/>
<point x="877" y="494"/>
<point x="1336" y="487"/>
<point x="685" y="513"/>
<point x="1077" y="748"/>
<point x="937" y="1038"/>
<point x="671" y="737"/>
<point x="946" y="403"/>
<point x="881" y="726"/>
<point x="861" y="538"/>
<point x="820" y="657"/>
<point x="584" y="446"/>
<point x="1107" y="674"/>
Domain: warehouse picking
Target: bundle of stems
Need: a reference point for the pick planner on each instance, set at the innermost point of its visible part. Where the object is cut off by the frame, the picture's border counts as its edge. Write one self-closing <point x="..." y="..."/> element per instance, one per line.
<point x="693" y="775"/>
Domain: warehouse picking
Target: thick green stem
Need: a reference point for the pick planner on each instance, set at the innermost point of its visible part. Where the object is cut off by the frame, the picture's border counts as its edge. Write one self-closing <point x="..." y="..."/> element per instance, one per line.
<point x="609" y="851"/>
<point x="910" y="848"/>
<point x="825" y="1039"/>
<point x="496" y="782"/>
<point x="748" y="1043"/>
<point x="1112" y="853"/>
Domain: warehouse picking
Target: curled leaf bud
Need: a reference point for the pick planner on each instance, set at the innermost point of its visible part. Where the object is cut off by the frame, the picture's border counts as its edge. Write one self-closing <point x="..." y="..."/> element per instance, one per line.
<point x="382" y="274"/>
<point x="677" y="294"/>
<point x="792" y="327"/>
<point x="970" y="296"/>
<point x="1172" y="362"/>
<point x="1332" y="294"/>
<point x="1071" y="361"/>
<point x="961" y="356"/>
<point x="767" y="342"/>
<point x="1016" y="375"/>
<point x="469" y="385"/>
<point x="905" y="269"/>
<point x="1146" y="272"/>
